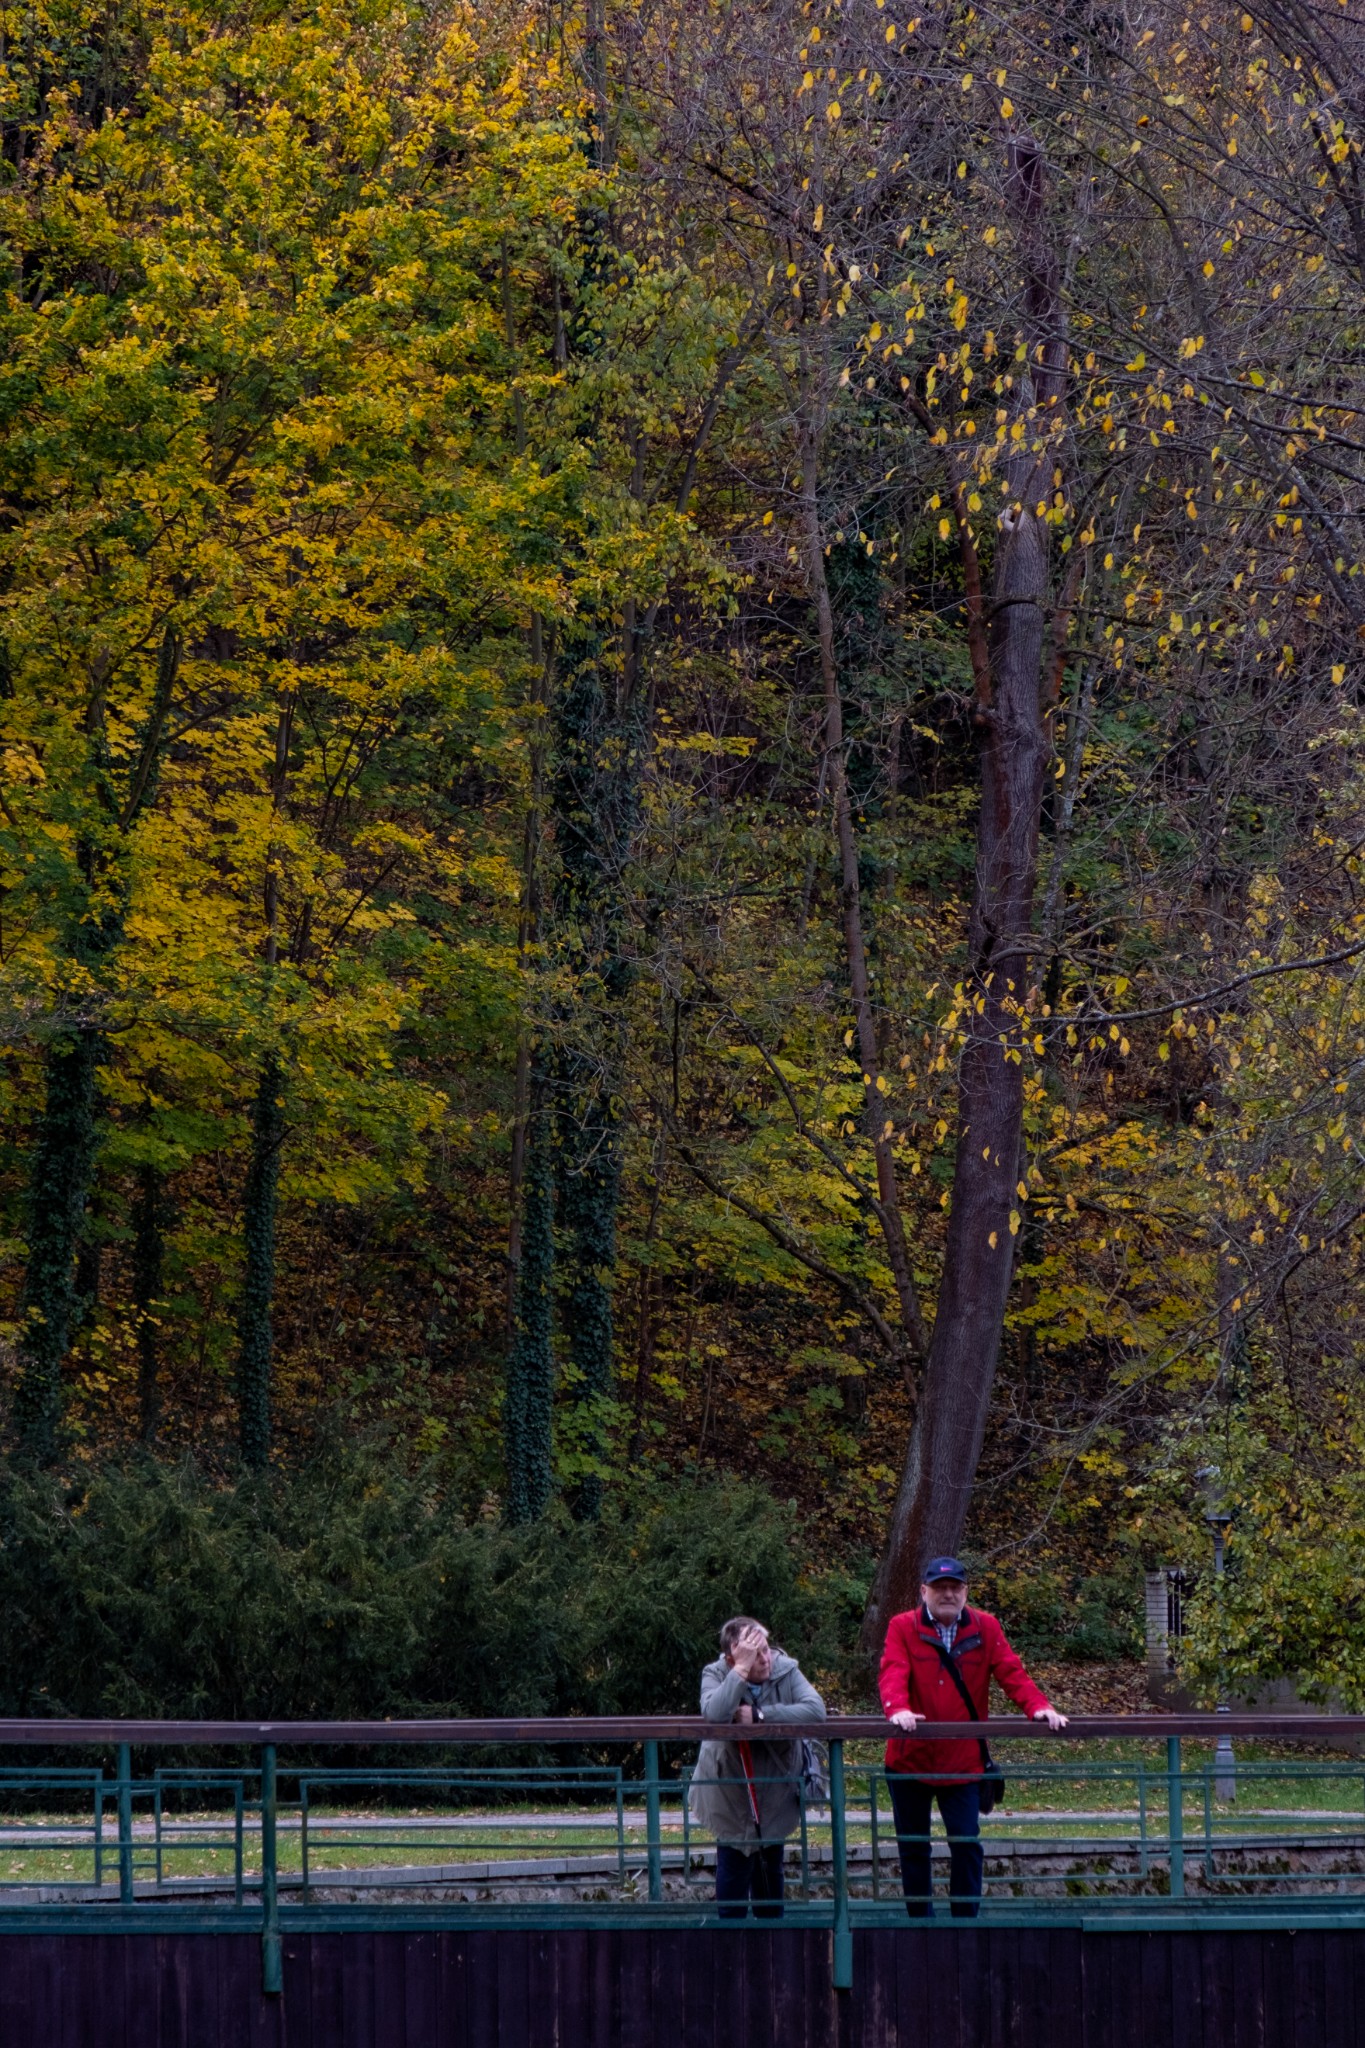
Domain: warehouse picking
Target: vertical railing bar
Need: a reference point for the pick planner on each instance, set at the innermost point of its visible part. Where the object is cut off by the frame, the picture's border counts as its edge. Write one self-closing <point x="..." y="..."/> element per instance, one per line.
<point x="238" y="1840"/>
<point x="272" y="1960"/>
<point x="621" y="1831"/>
<point x="653" y="1846"/>
<point x="1175" y="1816"/>
<point x="1208" y="1826"/>
<point x="157" y="1813"/>
<point x="842" y="1940"/>
<point x="1143" y="1869"/>
<point x="99" y="1827"/>
<point x="303" y="1834"/>
<point x="805" y="1839"/>
<point x="125" y="1823"/>
<point x="876" y="1843"/>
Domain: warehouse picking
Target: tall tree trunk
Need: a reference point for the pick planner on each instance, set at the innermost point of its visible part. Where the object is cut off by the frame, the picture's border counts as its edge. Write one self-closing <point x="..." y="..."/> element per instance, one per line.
<point x="254" y="1331"/>
<point x="595" y="793"/>
<point x="589" y="1196"/>
<point x="529" y="911"/>
<point x="260" y="1198"/>
<point x="148" y="1250"/>
<point x="528" y="1401"/>
<point x="644" y="1332"/>
<point x="1012" y="720"/>
<point x="591" y="768"/>
<point x="58" y="1188"/>
<point x="89" y="1266"/>
<point x="528" y="931"/>
<point x="878" y="1124"/>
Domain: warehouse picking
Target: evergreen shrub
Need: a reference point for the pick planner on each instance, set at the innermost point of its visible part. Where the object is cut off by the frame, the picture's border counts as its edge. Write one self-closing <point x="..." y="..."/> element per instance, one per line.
<point x="351" y="1588"/>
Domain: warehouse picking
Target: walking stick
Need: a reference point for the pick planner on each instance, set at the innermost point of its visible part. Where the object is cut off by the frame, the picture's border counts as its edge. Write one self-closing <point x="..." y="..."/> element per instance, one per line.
<point x="746" y="1759"/>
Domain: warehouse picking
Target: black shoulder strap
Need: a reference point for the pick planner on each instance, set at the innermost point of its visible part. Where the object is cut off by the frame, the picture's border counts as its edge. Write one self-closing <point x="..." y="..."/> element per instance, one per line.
<point x="946" y="1658"/>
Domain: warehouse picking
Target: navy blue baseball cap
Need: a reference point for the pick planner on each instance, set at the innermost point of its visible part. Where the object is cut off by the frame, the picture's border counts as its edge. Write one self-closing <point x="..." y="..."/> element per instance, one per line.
<point x="945" y="1568"/>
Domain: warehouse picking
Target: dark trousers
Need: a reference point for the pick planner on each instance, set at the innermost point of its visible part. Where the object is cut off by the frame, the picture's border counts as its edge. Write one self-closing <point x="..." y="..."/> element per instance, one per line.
<point x="912" y="1802"/>
<point x="755" y="1876"/>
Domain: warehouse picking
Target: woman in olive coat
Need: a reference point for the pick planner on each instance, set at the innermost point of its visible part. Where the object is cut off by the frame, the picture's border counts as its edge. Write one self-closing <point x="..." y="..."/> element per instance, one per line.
<point x="751" y="1681"/>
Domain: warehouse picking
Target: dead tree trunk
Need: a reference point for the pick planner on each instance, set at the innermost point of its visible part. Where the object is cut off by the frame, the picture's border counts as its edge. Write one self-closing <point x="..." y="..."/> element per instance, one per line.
<point x="1012" y="719"/>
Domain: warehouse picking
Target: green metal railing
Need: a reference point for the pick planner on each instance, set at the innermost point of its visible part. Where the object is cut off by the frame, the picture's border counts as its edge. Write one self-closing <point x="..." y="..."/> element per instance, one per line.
<point x="1116" y="1823"/>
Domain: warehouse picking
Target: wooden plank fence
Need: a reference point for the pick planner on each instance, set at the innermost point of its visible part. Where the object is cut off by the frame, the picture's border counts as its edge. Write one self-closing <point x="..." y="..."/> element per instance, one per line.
<point x="945" y="1987"/>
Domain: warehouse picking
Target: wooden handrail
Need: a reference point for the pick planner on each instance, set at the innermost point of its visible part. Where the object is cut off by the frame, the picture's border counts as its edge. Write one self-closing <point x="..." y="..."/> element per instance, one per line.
<point x="668" y="1728"/>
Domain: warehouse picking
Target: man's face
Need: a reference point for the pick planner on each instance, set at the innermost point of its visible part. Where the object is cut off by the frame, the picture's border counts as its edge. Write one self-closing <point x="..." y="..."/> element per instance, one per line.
<point x="944" y="1598"/>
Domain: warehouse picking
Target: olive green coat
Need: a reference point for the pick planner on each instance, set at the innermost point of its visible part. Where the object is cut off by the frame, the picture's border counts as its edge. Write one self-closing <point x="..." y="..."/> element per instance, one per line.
<point x="720" y="1797"/>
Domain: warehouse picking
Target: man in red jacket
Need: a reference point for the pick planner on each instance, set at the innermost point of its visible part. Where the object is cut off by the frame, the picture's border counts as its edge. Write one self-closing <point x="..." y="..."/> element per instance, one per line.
<point x="932" y="1658"/>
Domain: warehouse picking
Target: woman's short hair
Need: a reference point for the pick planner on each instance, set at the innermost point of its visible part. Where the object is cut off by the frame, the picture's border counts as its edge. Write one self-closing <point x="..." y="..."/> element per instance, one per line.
<point x="733" y="1629"/>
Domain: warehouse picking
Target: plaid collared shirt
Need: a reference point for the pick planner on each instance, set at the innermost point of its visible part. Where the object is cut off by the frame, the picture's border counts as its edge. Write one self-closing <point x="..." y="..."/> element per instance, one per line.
<point x="947" y="1634"/>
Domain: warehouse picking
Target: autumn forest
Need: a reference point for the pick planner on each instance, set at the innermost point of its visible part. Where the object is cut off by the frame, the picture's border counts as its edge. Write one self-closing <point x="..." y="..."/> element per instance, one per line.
<point x="682" y="828"/>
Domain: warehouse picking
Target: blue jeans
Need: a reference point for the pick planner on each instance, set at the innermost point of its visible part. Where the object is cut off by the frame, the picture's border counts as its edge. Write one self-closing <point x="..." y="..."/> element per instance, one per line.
<point x="912" y="1802"/>
<point x="757" y="1875"/>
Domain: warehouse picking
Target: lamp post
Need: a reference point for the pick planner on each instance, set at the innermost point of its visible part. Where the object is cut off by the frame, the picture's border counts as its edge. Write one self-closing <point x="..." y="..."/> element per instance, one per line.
<point x="1218" y="1521"/>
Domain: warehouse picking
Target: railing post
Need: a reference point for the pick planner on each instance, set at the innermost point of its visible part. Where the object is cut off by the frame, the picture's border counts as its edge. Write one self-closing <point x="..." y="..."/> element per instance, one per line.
<point x="125" y="1824"/>
<point x="653" y="1841"/>
<point x="838" y="1838"/>
<point x="1175" y="1816"/>
<point x="272" y="1961"/>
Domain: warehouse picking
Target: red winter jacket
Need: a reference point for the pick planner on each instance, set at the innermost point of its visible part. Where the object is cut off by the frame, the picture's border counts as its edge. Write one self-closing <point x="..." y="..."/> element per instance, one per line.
<point x="912" y="1675"/>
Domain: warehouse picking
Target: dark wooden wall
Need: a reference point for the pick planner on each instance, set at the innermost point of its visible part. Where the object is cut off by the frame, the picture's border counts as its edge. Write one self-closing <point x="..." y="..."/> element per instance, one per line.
<point x="732" y="1988"/>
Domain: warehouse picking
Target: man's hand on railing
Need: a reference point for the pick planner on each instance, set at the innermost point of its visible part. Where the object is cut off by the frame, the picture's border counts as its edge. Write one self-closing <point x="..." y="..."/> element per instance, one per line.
<point x="1052" y="1717"/>
<point x="745" y="1714"/>
<point x="907" y="1719"/>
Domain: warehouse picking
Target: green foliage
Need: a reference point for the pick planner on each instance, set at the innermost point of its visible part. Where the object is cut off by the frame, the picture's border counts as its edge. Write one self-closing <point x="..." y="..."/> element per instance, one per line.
<point x="1289" y="1605"/>
<point x="1053" y="1613"/>
<point x="353" y="1589"/>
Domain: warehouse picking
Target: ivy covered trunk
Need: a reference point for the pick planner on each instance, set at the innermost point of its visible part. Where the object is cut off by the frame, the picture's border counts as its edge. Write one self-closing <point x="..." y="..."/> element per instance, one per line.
<point x="258" y="1280"/>
<point x="148" y="1245"/>
<point x="594" y="805"/>
<point x="58" y="1190"/>
<point x="528" y="1400"/>
<point x="589" y="1195"/>
<point x="64" y="1151"/>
